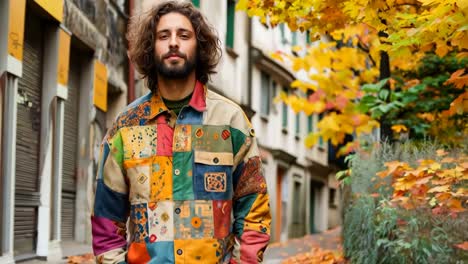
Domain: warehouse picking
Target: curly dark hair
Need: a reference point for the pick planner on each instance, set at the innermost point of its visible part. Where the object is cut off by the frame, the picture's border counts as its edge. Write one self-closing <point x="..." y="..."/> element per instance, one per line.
<point x="141" y="39"/>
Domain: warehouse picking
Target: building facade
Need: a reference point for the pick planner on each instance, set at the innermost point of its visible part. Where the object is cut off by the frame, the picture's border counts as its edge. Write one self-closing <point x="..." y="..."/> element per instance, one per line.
<point x="64" y="76"/>
<point x="304" y="192"/>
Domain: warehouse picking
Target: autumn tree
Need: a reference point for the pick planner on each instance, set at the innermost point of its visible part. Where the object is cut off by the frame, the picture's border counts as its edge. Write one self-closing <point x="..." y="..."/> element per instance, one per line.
<point x="368" y="58"/>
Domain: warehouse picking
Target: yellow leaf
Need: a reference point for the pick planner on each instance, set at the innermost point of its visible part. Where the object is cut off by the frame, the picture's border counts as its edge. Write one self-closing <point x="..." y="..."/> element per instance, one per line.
<point x="277" y="56"/>
<point x="311" y="140"/>
<point x="242" y="5"/>
<point x="296" y="48"/>
<point x="399" y="128"/>
<point x="404" y="183"/>
<point x="435" y="166"/>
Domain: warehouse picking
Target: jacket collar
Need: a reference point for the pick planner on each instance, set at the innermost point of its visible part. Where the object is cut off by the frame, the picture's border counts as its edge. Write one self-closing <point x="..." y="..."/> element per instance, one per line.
<point x="197" y="102"/>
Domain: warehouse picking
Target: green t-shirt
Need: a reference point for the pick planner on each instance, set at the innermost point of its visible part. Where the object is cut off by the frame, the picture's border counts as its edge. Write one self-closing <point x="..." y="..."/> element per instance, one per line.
<point x="176" y="106"/>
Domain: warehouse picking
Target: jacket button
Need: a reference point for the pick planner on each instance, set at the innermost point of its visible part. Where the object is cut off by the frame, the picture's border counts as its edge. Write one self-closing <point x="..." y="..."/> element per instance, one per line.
<point x="176" y="171"/>
<point x="216" y="160"/>
<point x="177" y="210"/>
<point x="179" y="252"/>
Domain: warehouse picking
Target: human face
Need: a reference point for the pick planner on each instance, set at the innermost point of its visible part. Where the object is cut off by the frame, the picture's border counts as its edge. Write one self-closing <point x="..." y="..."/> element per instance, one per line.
<point x="175" y="47"/>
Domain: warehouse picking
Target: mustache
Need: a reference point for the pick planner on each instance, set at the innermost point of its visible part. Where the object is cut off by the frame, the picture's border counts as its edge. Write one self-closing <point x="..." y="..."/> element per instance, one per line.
<point x="174" y="53"/>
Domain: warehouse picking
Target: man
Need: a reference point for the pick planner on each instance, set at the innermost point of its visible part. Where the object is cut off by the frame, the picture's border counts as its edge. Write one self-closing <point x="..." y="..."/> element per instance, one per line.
<point x="181" y="162"/>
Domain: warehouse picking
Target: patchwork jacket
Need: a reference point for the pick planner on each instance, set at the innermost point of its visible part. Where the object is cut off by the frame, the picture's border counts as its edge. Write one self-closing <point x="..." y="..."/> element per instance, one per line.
<point x="191" y="186"/>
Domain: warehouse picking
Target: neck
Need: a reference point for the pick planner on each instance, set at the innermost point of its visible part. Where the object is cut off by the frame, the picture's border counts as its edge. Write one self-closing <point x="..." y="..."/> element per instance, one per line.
<point x="176" y="89"/>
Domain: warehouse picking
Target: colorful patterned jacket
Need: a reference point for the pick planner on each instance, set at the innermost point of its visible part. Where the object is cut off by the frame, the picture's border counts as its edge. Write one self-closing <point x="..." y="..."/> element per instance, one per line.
<point x="191" y="184"/>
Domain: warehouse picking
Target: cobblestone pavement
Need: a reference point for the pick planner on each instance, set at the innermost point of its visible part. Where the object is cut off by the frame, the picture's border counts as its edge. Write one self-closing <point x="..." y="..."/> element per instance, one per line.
<point x="277" y="252"/>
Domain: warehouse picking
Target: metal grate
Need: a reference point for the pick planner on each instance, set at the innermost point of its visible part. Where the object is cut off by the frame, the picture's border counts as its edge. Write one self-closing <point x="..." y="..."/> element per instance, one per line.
<point x="28" y="138"/>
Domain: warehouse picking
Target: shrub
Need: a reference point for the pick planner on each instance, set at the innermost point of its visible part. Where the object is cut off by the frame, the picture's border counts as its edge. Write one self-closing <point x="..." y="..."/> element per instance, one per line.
<point x="415" y="212"/>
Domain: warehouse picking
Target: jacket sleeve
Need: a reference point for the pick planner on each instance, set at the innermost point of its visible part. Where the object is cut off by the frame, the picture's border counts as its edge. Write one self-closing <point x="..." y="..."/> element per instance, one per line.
<point x="251" y="206"/>
<point x="109" y="203"/>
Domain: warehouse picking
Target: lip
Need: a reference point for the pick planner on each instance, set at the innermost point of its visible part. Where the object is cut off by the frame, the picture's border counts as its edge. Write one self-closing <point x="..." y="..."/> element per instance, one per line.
<point x="174" y="56"/>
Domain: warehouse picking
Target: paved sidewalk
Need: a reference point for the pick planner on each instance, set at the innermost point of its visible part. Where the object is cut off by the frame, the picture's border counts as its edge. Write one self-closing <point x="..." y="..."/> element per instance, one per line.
<point x="277" y="252"/>
<point x="274" y="254"/>
<point x="69" y="248"/>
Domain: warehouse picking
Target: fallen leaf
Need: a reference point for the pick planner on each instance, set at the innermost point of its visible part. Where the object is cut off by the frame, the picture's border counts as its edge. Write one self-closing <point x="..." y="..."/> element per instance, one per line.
<point x="463" y="245"/>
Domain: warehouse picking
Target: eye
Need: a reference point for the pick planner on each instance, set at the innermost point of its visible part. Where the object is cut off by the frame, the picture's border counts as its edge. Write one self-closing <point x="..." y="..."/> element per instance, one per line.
<point x="163" y="36"/>
<point x="184" y="36"/>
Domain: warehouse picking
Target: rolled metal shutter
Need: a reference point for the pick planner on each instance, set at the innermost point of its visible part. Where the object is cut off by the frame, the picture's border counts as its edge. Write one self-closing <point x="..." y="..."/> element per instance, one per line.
<point x="70" y="150"/>
<point x="28" y="139"/>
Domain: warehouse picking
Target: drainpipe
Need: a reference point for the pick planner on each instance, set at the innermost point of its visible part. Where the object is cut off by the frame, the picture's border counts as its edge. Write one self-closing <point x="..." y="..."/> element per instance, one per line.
<point x="249" y="61"/>
<point x="131" y="69"/>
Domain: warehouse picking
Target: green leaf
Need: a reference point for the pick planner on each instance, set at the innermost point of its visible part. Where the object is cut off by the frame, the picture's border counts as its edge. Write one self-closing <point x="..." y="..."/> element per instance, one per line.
<point x="409" y="99"/>
<point x="383" y="94"/>
<point x="374" y="87"/>
<point x="341" y="175"/>
<point x="417" y="88"/>
<point x="385" y="108"/>
<point x="376" y="113"/>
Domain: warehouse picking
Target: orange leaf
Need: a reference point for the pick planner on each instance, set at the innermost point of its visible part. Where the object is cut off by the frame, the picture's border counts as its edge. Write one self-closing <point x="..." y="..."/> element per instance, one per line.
<point x="455" y="205"/>
<point x="459" y="105"/>
<point x="394" y="165"/>
<point x="424" y="180"/>
<point x="463" y="245"/>
<point x="464" y="165"/>
<point x="458" y="79"/>
<point x="441" y="182"/>
<point x="382" y="174"/>
<point x="442" y="49"/>
<point x="447" y="160"/>
<point x="441" y="152"/>
<point x="443" y="188"/>
<point x="443" y="196"/>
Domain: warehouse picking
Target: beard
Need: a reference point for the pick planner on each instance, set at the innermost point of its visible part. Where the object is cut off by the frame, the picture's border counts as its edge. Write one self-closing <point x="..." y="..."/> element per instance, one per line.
<point x="175" y="71"/>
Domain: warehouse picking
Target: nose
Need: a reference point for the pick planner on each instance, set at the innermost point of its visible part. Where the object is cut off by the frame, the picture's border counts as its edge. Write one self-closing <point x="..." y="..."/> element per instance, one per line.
<point x="173" y="42"/>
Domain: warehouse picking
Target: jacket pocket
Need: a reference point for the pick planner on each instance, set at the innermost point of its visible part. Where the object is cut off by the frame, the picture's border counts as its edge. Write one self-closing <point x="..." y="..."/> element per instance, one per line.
<point x="213" y="175"/>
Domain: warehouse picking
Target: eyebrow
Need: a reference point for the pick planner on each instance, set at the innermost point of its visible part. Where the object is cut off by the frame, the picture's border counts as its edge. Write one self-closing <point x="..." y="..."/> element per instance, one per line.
<point x="180" y="30"/>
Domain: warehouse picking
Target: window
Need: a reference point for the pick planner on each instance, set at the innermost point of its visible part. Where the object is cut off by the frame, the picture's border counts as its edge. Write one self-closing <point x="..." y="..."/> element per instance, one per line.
<point x="332" y="197"/>
<point x="273" y="89"/>
<point x="285" y="111"/>
<point x="321" y="139"/>
<point x="283" y="35"/>
<point x="294" y="38"/>
<point x="297" y="201"/>
<point x="308" y="40"/>
<point x="231" y="9"/>
<point x="196" y="3"/>
<point x="298" y="123"/>
<point x="310" y="123"/>
<point x="265" y="95"/>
